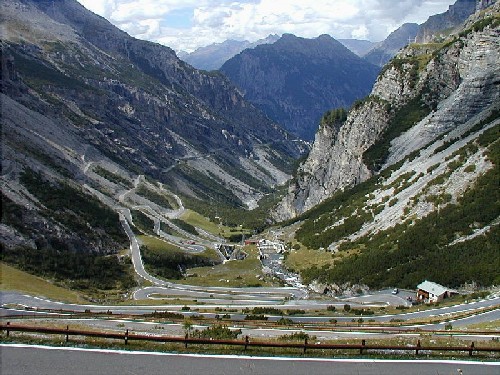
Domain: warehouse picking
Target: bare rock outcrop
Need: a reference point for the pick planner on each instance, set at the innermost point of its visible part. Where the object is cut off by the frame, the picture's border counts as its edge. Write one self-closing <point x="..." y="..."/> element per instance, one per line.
<point x="440" y="85"/>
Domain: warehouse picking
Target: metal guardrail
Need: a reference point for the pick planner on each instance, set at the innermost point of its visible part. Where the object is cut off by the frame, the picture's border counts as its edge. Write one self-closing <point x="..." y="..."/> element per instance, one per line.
<point x="382" y="327"/>
<point x="127" y="336"/>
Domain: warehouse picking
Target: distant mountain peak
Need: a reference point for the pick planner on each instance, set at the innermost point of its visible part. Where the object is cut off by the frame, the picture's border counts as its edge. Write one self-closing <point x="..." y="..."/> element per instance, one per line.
<point x="295" y="80"/>
<point x="212" y="57"/>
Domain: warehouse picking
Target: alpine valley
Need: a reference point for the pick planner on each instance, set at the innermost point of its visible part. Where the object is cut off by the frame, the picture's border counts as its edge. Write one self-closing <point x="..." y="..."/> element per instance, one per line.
<point x="106" y="138"/>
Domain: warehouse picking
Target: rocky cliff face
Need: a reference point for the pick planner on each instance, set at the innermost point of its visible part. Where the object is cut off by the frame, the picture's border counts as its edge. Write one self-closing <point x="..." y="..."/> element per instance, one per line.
<point x="427" y="91"/>
<point x="437" y="26"/>
<point x="295" y="80"/>
<point x="87" y="110"/>
<point x="134" y="100"/>
<point x="335" y="160"/>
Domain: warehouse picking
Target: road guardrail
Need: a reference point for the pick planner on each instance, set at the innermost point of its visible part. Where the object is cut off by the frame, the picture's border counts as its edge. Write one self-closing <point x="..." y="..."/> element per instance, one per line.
<point x="127" y="336"/>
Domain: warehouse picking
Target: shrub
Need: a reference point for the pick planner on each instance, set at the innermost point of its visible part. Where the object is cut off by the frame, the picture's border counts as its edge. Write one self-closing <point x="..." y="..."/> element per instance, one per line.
<point x="217" y="332"/>
<point x="285" y="321"/>
<point x="297" y="336"/>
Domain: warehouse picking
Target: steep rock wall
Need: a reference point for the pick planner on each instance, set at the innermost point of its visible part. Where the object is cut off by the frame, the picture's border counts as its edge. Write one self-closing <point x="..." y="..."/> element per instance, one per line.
<point x="453" y="81"/>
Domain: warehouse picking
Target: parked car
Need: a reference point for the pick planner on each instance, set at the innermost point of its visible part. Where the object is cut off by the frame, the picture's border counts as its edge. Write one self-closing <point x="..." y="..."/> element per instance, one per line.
<point x="395" y="291"/>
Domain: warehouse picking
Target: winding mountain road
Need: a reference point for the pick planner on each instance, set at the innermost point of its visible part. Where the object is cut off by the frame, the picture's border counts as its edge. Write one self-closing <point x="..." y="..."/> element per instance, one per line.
<point x="262" y="294"/>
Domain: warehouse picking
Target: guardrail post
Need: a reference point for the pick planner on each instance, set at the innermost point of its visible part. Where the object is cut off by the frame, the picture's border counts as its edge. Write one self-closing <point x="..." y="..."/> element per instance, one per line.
<point x="246" y="342"/>
<point x="8" y="324"/>
<point x="363" y="343"/>
<point x="126" y="337"/>
<point x="185" y="341"/>
<point x="471" y="348"/>
<point x="67" y="335"/>
<point x="418" y="347"/>
<point x="305" y="345"/>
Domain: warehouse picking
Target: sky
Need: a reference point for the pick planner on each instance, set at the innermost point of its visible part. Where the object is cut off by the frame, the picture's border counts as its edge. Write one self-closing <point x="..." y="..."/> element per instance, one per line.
<point x="185" y="25"/>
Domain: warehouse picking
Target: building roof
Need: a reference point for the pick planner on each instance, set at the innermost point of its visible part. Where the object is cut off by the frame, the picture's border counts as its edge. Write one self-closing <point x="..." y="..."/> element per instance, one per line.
<point x="433" y="288"/>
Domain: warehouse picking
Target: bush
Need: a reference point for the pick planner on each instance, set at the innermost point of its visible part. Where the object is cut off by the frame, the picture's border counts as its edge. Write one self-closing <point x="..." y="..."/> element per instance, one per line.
<point x="80" y="212"/>
<point x="255" y="317"/>
<point x="266" y="310"/>
<point x="296" y="336"/>
<point x="295" y="312"/>
<point x="217" y="332"/>
<point x="334" y="117"/>
<point x="142" y="221"/>
<point x="285" y="321"/>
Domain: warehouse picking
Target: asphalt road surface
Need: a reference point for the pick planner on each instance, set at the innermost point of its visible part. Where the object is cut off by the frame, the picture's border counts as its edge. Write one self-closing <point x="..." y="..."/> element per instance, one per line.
<point x="17" y="360"/>
<point x="11" y="298"/>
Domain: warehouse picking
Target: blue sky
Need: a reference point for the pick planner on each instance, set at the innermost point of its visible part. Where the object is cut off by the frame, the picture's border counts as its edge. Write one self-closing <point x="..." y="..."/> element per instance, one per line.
<point x="178" y="18"/>
<point x="189" y="24"/>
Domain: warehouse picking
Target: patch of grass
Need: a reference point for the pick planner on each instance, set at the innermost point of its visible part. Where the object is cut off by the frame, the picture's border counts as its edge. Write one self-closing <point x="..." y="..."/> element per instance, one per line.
<point x="305" y="258"/>
<point x="230" y="232"/>
<point x="168" y="261"/>
<point x="493" y="325"/>
<point x="185" y="226"/>
<point x="155" y="243"/>
<point x="235" y="273"/>
<point x="200" y="221"/>
<point x="12" y="278"/>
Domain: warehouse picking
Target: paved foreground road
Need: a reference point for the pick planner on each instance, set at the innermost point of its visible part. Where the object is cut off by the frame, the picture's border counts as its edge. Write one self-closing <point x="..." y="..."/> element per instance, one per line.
<point x="19" y="359"/>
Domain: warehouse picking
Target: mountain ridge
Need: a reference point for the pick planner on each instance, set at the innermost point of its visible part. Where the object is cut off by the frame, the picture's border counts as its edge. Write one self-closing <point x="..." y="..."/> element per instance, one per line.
<point x="213" y="56"/>
<point x="295" y="80"/>
<point x="87" y="110"/>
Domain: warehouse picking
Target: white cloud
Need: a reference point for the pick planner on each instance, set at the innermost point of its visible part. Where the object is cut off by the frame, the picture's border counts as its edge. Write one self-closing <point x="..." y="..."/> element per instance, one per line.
<point x="189" y="24"/>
